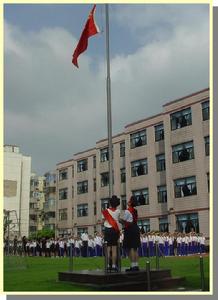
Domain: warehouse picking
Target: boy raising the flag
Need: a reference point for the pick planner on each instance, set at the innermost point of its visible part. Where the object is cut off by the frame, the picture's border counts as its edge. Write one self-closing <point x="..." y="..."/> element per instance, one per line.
<point x="112" y="231"/>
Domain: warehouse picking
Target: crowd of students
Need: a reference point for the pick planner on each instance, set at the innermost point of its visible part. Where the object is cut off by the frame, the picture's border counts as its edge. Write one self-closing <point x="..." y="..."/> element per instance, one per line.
<point x="167" y="244"/>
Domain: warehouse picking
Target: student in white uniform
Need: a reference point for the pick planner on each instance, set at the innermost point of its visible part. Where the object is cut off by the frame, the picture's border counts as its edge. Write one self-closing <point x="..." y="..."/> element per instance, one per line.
<point x="112" y="231"/>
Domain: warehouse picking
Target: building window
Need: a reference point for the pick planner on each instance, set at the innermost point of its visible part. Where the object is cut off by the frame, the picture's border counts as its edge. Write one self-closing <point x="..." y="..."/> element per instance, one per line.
<point x="183" y="152"/>
<point x="208" y="182"/>
<point x="82" y="187"/>
<point x="50" y="214"/>
<point x="72" y="191"/>
<point x="72" y="171"/>
<point x="122" y="149"/>
<point x="205" y="110"/>
<point x="142" y="196"/>
<point x="81" y="230"/>
<point x="33" y="218"/>
<point x="94" y="184"/>
<point x="144" y="225"/>
<point x="62" y="174"/>
<point x="139" y="167"/>
<point x="207" y="145"/>
<point x="82" y="165"/>
<point x="104" y="154"/>
<point x="63" y="194"/>
<point x="104" y="179"/>
<point x="123" y="202"/>
<point x="187" y="223"/>
<point x="181" y="118"/>
<point x="104" y="203"/>
<point x="95" y="209"/>
<point x="185" y="187"/>
<point x="162" y="194"/>
<point x="63" y="214"/>
<point x="123" y="175"/>
<point x="160" y="162"/>
<point x="50" y="179"/>
<point x="159" y="132"/>
<point x="163" y="224"/>
<point x="138" y="139"/>
<point x="82" y="210"/>
<point x="94" y="162"/>
<point x="72" y="213"/>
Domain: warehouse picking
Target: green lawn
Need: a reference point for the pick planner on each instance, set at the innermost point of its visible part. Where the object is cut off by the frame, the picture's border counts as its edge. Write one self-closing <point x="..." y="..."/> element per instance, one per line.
<point x="41" y="274"/>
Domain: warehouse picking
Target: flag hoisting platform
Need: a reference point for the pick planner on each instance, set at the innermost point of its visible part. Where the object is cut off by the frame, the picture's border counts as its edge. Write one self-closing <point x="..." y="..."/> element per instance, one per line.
<point x="142" y="280"/>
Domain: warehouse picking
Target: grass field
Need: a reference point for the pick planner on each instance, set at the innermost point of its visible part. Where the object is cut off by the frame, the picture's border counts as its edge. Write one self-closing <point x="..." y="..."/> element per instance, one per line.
<point x="41" y="274"/>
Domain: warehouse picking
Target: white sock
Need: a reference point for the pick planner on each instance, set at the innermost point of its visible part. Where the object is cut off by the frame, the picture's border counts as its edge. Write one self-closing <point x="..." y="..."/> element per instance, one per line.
<point x="113" y="266"/>
<point x="136" y="264"/>
<point x="132" y="264"/>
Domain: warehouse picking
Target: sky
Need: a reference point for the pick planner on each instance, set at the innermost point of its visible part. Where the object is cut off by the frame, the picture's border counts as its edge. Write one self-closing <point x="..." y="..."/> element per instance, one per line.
<point x="52" y="110"/>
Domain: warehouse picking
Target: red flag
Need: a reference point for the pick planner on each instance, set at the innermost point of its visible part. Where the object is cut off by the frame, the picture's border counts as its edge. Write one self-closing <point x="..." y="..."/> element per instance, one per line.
<point x="90" y="29"/>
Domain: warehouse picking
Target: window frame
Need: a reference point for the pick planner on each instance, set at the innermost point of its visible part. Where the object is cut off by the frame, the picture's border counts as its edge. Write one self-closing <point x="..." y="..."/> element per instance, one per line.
<point x="64" y="211"/>
<point x="63" y="191"/>
<point x="122" y="149"/>
<point x="205" y="110"/>
<point x="192" y="185"/>
<point x="163" y="224"/>
<point x="160" y="163"/>
<point x="144" y="192"/>
<point x="176" y="153"/>
<point x="207" y="145"/>
<point x="63" y="174"/>
<point x="123" y="175"/>
<point x="104" y="203"/>
<point x="135" y="165"/>
<point x="162" y="194"/>
<point x="136" y="136"/>
<point x="82" y="187"/>
<point x="174" y="117"/>
<point x="107" y="179"/>
<point x="104" y="154"/>
<point x="145" y="224"/>
<point x="159" y="132"/>
<point x="187" y="218"/>
<point x="81" y="208"/>
<point x="82" y="165"/>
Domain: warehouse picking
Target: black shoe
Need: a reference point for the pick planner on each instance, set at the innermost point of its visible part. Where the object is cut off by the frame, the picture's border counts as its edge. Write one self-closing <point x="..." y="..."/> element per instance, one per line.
<point x="136" y="268"/>
<point x="114" y="269"/>
<point x="132" y="269"/>
<point x="129" y="270"/>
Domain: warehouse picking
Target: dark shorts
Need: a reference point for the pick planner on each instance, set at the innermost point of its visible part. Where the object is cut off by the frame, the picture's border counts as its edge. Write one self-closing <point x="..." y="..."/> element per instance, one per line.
<point x="111" y="236"/>
<point x="132" y="237"/>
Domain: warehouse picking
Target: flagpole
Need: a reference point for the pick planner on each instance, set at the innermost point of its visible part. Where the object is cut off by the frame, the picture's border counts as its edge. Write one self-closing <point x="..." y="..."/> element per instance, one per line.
<point x="109" y="117"/>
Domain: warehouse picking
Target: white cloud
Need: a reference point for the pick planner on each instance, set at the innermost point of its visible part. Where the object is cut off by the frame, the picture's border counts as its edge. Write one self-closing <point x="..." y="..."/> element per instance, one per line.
<point x="53" y="110"/>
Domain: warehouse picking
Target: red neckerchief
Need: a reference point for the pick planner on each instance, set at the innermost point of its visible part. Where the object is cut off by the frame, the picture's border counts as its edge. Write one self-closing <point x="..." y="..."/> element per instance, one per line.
<point x="112" y="208"/>
<point x="110" y="219"/>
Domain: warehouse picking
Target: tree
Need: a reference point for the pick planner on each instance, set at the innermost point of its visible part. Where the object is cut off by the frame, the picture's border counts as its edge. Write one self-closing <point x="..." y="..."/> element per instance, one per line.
<point x="44" y="233"/>
<point x="7" y="223"/>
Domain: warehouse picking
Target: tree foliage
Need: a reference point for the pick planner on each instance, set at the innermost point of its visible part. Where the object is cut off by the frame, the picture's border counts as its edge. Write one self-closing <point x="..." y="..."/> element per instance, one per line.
<point x="44" y="233"/>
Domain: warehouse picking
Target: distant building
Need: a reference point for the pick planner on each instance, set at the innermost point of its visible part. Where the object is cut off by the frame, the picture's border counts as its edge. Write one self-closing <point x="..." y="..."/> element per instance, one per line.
<point x="37" y="199"/>
<point x="49" y="206"/>
<point x="162" y="160"/>
<point x="17" y="170"/>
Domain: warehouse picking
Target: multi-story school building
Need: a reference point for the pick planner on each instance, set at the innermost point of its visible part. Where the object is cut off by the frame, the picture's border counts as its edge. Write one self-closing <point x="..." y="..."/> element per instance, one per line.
<point x="163" y="160"/>
<point x="37" y="199"/>
<point x="49" y="206"/>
